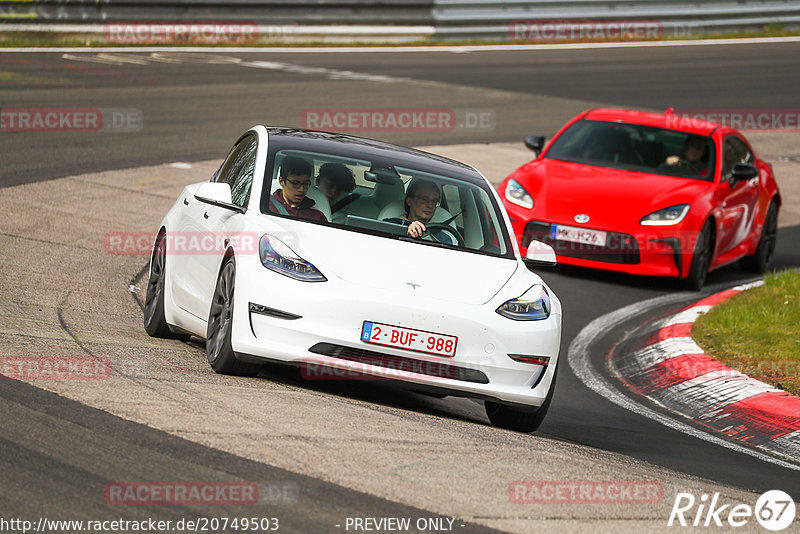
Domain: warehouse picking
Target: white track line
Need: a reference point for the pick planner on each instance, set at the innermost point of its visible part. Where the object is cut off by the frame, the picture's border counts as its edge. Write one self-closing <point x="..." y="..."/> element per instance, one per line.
<point x="406" y="49"/>
<point x="578" y="358"/>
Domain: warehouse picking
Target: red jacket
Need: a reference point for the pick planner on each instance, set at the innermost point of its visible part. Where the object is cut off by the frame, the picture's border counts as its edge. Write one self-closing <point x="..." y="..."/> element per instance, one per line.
<point x="303" y="211"/>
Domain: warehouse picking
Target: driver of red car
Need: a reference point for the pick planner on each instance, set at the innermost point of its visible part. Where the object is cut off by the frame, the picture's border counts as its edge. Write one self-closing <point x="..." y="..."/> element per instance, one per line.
<point x="694" y="156"/>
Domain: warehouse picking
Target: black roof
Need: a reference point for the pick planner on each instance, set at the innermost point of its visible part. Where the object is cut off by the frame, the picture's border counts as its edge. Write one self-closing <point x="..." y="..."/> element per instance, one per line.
<point x="380" y="153"/>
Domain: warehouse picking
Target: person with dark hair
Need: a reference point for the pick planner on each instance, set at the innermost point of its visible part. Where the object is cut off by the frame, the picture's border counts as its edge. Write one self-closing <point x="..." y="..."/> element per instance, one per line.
<point x="335" y="180"/>
<point x="295" y="179"/>
<point x="422" y="199"/>
<point x="694" y="156"/>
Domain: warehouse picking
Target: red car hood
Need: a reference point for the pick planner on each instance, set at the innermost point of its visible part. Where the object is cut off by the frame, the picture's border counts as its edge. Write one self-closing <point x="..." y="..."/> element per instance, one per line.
<point x="612" y="198"/>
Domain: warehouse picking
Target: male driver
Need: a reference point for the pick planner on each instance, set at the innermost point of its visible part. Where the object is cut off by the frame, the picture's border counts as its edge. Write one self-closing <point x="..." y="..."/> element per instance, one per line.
<point x="295" y="179"/>
<point x="694" y="152"/>
<point x="422" y="199"/>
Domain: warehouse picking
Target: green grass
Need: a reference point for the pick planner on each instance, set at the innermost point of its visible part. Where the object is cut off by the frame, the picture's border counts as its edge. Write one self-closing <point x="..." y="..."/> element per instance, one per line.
<point x="36" y="39"/>
<point x="758" y="331"/>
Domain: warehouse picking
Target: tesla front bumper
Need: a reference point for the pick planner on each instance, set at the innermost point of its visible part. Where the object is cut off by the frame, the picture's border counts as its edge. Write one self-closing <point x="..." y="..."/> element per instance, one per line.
<point x="318" y="326"/>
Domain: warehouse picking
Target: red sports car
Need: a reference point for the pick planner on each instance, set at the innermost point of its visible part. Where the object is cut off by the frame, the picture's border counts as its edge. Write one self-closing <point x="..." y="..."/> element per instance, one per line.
<point x="646" y="193"/>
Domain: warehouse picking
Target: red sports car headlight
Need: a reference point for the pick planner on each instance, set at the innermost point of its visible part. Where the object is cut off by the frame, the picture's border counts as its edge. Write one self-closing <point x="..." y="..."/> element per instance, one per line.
<point x="516" y="194"/>
<point x="667" y="216"/>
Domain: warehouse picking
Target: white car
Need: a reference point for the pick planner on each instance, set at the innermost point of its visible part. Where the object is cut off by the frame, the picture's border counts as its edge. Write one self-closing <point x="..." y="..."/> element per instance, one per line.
<point x="350" y="294"/>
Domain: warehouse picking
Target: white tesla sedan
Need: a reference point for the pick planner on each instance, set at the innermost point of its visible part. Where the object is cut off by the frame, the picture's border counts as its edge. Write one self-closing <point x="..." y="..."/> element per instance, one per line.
<point x="344" y="288"/>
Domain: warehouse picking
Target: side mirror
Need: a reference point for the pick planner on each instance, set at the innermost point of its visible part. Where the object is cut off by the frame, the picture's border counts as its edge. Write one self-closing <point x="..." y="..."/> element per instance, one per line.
<point x="535" y="143"/>
<point x="217" y="194"/>
<point x="742" y="172"/>
<point x="540" y="255"/>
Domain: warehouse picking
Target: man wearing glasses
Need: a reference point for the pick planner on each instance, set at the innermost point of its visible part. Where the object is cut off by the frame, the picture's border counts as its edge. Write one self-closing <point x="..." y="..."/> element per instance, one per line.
<point x="295" y="179"/>
<point x="422" y="199"/>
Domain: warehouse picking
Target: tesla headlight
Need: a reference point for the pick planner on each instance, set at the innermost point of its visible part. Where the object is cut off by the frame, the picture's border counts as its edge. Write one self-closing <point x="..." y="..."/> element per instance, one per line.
<point x="667" y="216"/>
<point x="277" y="256"/>
<point x="516" y="194"/>
<point x="533" y="305"/>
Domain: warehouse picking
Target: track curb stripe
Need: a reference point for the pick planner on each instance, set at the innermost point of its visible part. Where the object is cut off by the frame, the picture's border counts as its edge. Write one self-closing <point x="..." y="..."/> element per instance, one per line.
<point x="668" y="367"/>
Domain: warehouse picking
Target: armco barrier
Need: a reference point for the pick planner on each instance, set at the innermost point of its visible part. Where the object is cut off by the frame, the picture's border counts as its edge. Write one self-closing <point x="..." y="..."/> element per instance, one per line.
<point x="263" y="12"/>
<point x="471" y="19"/>
<point x="515" y="20"/>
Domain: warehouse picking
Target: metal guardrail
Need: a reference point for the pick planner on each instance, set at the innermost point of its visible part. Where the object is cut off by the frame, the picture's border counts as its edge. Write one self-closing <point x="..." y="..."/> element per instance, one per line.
<point x="265" y="12"/>
<point x="472" y="19"/>
<point x="521" y="20"/>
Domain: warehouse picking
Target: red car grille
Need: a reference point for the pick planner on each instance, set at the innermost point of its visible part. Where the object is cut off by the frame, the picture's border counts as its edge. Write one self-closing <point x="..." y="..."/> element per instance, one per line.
<point x="619" y="248"/>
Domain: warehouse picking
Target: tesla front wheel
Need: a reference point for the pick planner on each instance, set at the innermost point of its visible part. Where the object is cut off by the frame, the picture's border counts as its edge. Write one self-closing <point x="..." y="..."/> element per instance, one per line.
<point x="219" y="350"/>
<point x="155" y="322"/>
<point x="519" y="418"/>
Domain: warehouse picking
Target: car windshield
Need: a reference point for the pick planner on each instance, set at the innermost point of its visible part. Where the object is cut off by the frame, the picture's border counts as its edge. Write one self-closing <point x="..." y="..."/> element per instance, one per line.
<point x="637" y="148"/>
<point x="382" y="197"/>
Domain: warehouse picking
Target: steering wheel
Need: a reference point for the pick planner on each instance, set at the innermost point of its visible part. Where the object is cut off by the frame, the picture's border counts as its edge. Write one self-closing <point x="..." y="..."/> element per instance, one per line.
<point x="686" y="163"/>
<point x="439" y="227"/>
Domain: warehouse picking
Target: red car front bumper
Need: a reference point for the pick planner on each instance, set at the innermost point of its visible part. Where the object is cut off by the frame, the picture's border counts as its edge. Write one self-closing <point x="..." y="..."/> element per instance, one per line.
<point x="650" y="251"/>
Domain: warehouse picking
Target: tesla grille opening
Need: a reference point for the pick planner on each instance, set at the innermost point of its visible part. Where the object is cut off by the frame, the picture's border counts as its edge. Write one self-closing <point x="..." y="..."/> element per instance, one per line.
<point x="401" y="363"/>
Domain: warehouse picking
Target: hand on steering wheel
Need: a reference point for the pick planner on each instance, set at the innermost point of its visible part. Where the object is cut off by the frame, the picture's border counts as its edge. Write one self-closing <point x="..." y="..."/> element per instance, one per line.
<point x="446" y="228"/>
<point x="686" y="163"/>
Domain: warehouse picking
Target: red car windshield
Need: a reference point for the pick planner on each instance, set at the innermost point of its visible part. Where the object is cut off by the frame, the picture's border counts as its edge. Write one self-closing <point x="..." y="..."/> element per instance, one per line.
<point x="636" y="147"/>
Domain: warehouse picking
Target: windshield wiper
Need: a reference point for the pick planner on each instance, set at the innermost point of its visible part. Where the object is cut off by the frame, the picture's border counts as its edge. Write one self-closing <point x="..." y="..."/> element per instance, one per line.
<point x="426" y="242"/>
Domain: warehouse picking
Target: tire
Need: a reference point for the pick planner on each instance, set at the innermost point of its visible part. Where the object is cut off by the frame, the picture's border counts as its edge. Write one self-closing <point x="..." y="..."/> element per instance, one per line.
<point x="220" y="327"/>
<point x="701" y="259"/>
<point x="519" y="418"/>
<point x="155" y="322"/>
<point x="761" y="260"/>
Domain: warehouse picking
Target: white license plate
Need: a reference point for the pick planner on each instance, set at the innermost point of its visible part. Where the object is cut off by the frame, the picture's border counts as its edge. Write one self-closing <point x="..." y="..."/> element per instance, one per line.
<point x="578" y="235"/>
<point x="409" y="339"/>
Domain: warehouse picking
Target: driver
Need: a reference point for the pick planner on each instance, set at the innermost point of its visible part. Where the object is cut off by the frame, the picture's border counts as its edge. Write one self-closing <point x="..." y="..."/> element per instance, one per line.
<point x="422" y="199"/>
<point x="694" y="152"/>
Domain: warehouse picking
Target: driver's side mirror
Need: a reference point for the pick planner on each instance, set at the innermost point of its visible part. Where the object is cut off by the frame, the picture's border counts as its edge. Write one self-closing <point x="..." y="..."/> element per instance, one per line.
<point x="742" y="172"/>
<point x="535" y="143"/>
<point x="217" y="194"/>
<point x="540" y="255"/>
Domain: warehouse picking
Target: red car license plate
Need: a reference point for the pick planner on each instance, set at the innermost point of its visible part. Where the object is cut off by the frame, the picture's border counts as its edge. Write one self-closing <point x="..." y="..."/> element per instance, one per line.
<point x="409" y="339"/>
<point x="578" y="235"/>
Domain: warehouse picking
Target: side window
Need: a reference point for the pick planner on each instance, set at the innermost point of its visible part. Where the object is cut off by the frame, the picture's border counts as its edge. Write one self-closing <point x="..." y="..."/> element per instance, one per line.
<point x="238" y="169"/>
<point x="734" y="151"/>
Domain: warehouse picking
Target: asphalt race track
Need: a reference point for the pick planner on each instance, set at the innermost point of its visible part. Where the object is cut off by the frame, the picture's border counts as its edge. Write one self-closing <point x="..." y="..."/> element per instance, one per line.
<point x="335" y="450"/>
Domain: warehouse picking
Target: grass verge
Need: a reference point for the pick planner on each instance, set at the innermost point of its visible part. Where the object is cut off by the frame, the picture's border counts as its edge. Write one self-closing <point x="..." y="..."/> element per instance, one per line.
<point x="758" y="331"/>
<point x="29" y="39"/>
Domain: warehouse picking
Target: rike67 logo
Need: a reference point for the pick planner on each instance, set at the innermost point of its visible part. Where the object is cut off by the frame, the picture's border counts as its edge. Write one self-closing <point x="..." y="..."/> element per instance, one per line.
<point x="774" y="510"/>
